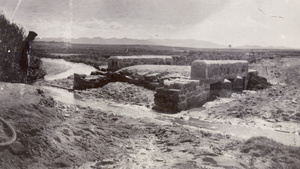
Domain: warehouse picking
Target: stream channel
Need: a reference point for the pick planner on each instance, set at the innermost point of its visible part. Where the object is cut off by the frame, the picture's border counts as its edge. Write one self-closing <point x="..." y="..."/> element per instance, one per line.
<point x="59" y="69"/>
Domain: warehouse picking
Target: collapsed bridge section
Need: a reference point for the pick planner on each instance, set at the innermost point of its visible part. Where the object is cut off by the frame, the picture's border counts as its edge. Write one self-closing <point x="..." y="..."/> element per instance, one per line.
<point x="209" y="79"/>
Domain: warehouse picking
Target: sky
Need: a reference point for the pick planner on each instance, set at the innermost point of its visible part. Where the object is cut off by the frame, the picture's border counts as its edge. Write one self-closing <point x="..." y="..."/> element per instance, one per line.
<point x="235" y="22"/>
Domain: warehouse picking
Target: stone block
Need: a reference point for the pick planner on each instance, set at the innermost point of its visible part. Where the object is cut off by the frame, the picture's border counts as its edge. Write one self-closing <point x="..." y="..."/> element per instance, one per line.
<point x="213" y="71"/>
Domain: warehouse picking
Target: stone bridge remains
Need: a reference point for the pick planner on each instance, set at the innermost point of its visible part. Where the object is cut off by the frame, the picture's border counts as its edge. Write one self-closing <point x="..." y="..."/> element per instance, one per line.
<point x="118" y="62"/>
<point x="209" y="79"/>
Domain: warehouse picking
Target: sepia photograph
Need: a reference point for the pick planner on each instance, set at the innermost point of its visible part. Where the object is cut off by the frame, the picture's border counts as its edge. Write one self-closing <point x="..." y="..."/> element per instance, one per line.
<point x="158" y="84"/>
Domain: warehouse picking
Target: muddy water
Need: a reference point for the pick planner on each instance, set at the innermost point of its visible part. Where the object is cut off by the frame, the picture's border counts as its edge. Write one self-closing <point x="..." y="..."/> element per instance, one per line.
<point x="133" y="111"/>
<point x="239" y="131"/>
<point x="60" y="69"/>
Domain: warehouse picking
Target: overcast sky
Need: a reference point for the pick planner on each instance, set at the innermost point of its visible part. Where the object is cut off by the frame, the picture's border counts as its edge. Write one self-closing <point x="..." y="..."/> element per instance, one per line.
<point x="236" y="22"/>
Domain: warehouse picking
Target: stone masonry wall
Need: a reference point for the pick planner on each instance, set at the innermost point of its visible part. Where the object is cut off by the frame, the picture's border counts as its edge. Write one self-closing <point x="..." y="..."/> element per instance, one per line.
<point x="180" y="94"/>
<point x="213" y="71"/>
<point x="209" y="79"/>
<point x="118" y="62"/>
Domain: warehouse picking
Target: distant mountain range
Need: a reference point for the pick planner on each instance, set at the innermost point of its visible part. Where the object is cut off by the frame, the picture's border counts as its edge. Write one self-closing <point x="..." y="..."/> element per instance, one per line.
<point x="162" y="42"/>
<point x="260" y="47"/>
<point x="126" y="41"/>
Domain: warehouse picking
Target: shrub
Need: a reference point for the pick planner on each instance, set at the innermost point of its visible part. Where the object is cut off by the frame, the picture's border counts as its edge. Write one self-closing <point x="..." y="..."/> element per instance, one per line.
<point x="11" y="40"/>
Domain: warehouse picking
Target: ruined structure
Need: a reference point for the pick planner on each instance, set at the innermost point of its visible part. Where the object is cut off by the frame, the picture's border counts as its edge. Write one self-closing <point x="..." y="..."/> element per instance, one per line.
<point x="118" y="62"/>
<point x="209" y="79"/>
<point x="82" y="82"/>
<point x="177" y="87"/>
<point x="213" y="71"/>
<point x="180" y="94"/>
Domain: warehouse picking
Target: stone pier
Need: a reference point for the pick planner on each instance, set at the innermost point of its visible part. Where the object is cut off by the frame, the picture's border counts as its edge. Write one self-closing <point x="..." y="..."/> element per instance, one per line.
<point x="180" y="94"/>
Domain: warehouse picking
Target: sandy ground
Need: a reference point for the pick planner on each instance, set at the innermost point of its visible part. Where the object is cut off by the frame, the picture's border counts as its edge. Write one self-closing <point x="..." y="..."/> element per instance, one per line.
<point x="53" y="134"/>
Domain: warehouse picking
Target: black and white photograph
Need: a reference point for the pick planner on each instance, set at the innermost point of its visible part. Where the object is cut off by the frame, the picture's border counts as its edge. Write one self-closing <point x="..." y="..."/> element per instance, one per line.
<point x="149" y="84"/>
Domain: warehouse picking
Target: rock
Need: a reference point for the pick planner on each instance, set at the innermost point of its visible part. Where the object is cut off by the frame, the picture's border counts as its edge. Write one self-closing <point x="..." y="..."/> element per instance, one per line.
<point x="209" y="160"/>
<point x="47" y="101"/>
<point x="271" y="120"/>
<point x="159" y="159"/>
<point x="67" y="115"/>
<point x="106" y="162"/>
<point x="66" y="132"/>
<point x="257" y="82"/>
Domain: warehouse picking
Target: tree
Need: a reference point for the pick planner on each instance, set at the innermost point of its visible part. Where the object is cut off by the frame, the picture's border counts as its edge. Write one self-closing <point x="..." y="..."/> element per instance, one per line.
<point x="11" y="40"/>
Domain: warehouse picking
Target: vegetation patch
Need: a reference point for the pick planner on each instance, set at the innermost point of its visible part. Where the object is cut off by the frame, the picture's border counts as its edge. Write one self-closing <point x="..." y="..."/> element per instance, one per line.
<point x="11" y="41"/>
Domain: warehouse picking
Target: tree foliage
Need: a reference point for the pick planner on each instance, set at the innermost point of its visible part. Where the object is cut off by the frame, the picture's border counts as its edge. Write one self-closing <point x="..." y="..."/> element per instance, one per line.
<point x="11" y="40"/>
